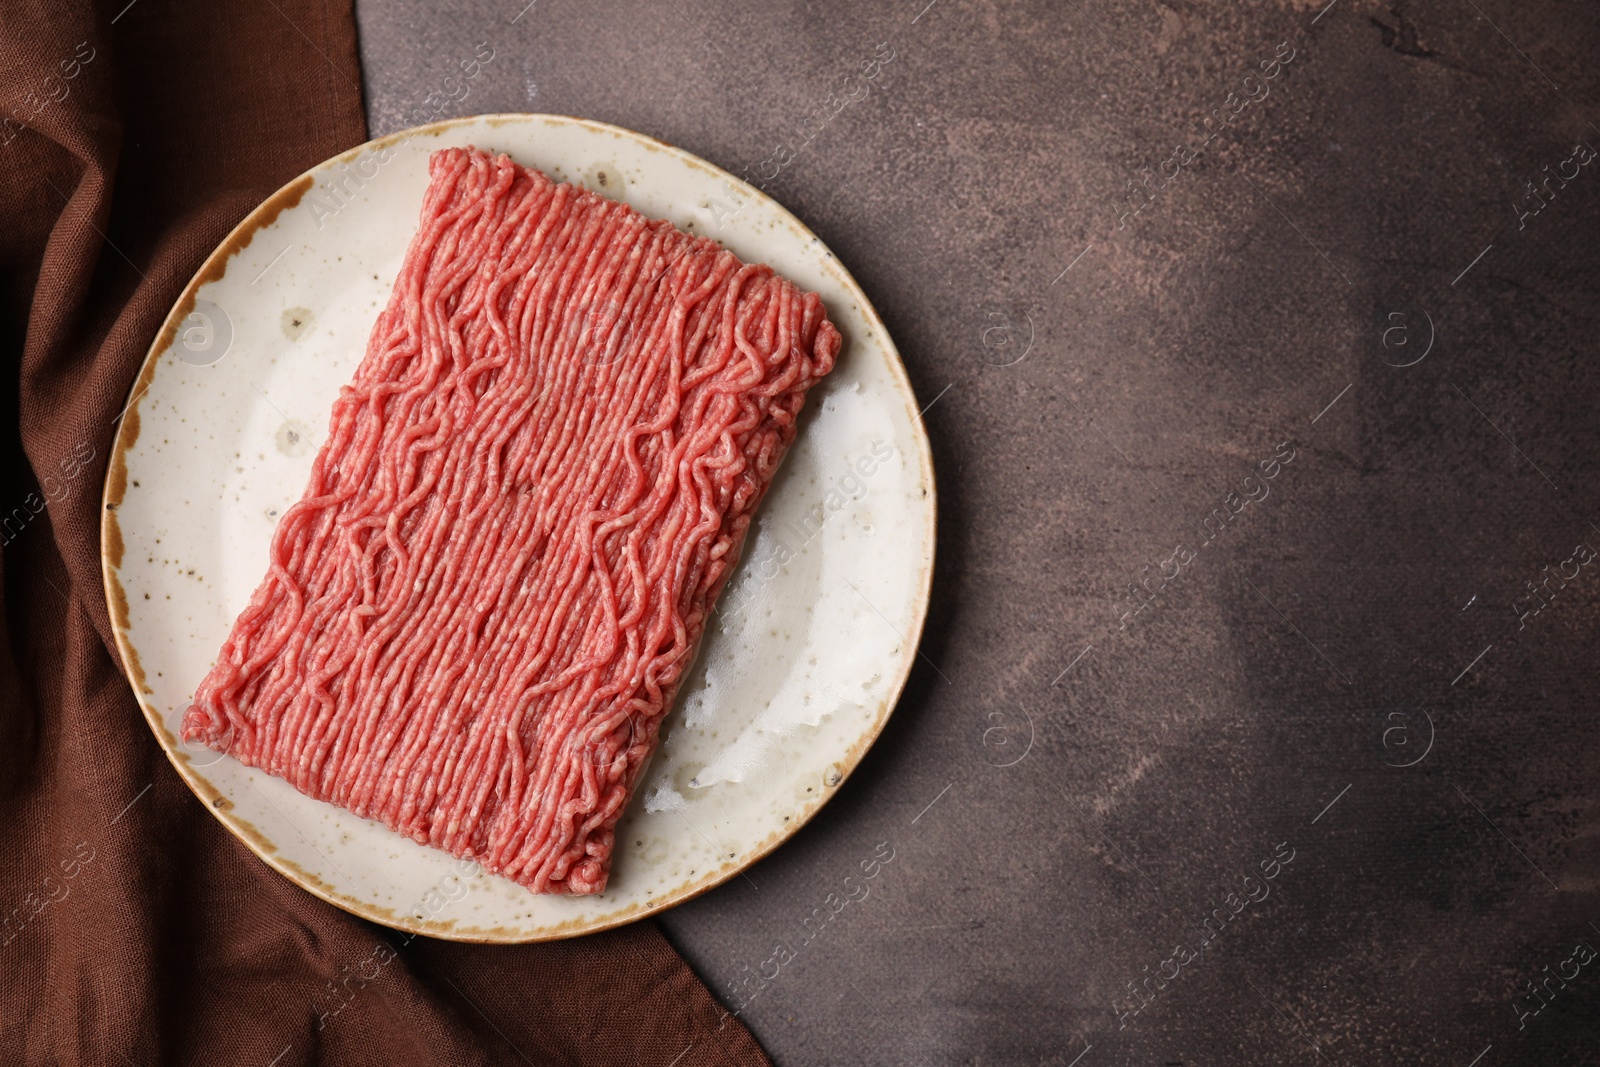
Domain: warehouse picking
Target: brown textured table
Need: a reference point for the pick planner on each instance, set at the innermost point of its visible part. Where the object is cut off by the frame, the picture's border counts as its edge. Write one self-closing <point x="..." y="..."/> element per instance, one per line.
<point x="1261" y="385"/>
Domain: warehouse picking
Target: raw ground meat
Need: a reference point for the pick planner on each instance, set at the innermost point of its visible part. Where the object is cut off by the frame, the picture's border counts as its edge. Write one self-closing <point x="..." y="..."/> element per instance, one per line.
<point x="530" y="495"/>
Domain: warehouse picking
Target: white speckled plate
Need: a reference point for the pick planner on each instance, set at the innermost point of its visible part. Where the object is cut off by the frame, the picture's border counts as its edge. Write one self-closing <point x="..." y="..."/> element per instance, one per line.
<point x="815" y="634"/>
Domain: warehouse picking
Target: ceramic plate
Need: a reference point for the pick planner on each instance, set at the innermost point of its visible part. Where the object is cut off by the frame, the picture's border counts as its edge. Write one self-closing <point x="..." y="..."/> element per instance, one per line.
<point x="814" y="636"/>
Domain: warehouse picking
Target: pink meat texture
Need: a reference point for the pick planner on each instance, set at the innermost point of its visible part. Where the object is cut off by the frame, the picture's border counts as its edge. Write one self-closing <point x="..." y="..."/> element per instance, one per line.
<point x="530" y="495"/>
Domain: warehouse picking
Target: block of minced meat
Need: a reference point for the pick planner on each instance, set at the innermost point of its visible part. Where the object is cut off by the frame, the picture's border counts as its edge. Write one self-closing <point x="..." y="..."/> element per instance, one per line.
<point x="531" y="493"/>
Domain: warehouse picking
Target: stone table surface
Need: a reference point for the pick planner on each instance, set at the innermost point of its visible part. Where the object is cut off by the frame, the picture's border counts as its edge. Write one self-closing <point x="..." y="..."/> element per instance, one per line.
<point x="1311" y="284"/>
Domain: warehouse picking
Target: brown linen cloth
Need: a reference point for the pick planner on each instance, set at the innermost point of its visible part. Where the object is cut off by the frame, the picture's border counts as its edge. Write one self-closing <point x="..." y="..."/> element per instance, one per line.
<point x="135" y="929"/>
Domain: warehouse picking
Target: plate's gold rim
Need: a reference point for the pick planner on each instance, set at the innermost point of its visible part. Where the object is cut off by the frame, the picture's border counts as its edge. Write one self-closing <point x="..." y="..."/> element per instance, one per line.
<point x="111" y="550"/>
